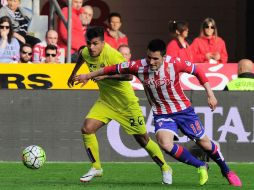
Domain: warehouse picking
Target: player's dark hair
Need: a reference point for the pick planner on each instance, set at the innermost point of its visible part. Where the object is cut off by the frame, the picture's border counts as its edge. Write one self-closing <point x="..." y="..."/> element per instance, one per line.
<point x="157" y="45"/>
<point x="95" y="32"/>
<point x="114" y="14"/>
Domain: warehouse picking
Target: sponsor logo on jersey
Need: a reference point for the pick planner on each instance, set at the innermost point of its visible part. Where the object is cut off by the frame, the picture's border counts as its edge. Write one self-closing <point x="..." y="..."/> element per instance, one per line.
<point x="125" y="65"/>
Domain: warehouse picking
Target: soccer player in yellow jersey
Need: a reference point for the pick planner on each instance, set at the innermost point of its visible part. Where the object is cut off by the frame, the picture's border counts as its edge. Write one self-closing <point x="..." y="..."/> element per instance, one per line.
<point x="117" y="101"/>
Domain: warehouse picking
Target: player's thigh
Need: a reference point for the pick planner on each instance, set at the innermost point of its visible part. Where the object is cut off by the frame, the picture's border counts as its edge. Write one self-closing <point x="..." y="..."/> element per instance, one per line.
<point x="132" y="120"/>
<point x="100" y="112"/>
<point x="165" y="123"/>
<point x="166" y="131"/>
<point x="190" y="124"/>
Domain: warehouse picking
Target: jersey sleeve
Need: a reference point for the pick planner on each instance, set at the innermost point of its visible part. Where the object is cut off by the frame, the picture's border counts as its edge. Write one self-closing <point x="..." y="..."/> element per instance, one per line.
<point x="122" y="68"/>
<point x="188" y="67"/>
<point x="183" y="66"/>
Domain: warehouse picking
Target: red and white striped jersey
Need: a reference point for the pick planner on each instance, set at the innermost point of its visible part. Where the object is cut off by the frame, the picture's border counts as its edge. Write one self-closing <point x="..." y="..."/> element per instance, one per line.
<point x="162" y="87"/>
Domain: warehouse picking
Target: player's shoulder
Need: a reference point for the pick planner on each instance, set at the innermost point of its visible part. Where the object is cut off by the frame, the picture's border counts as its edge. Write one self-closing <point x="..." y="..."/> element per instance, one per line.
<point x="112" y="55"/>
<point x="171" y="59"/>
<point x="108" y="49"/>
<point x="85" y="53"/>
<point x="177" y="62"/>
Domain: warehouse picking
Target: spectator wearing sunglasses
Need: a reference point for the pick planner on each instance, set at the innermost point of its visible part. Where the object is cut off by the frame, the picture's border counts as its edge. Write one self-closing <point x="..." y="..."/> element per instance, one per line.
<point x="51" y="54"/>
<point x="9" y="46"/>
<point x="26" y="52"/>
<point x="209" y="47"/>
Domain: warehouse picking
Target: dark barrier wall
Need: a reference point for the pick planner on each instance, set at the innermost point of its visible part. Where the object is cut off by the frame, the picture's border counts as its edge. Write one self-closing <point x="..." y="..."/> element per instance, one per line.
<point x="52" y="119"/>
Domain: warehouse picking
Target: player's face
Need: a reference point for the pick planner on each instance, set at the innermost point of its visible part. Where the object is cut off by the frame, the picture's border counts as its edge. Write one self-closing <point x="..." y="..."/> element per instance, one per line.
<point x="154" y="59"/>
<point x="95" y="46"/>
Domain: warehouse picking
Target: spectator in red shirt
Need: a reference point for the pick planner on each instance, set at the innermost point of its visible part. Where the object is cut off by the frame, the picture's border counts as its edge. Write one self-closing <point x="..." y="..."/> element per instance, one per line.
<point x="112" y="35"/>
<point x="209" y="47"/>
<point x="78" y="38"/>
<point x="178" y="46"/>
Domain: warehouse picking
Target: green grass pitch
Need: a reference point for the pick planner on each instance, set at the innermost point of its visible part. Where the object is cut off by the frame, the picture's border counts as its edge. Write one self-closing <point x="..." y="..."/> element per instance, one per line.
<point x="122" y="176"/>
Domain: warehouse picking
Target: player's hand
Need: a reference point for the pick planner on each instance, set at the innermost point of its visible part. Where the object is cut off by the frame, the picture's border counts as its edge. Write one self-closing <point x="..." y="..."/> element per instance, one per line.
<point x="70" y="82"/>
<point x="83" y="78"/>
<point x="212" y="102"/>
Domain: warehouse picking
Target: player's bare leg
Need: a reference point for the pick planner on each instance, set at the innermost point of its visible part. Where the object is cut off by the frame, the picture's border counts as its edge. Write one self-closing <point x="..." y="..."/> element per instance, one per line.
<point x="88" y="130"/>
<point x="165" y="139"/>
<point x="154" y="151"/>
<point x="213" y="152"/>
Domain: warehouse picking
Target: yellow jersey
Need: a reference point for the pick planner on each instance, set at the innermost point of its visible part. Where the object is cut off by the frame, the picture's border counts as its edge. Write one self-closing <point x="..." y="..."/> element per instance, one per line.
<point x="118" y="94"/>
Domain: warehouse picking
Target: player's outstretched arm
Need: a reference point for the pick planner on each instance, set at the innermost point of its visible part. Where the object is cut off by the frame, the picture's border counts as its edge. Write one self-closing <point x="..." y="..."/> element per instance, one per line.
<point x="212" y="101"/>
<point x="109" y="72"/>
<point x="84" y="78"/>
<point x="80" y="61"/>
<point x="121" y="77"/>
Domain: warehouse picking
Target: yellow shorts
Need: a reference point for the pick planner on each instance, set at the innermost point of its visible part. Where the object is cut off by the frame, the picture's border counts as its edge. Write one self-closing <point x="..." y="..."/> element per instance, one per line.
<point x="132" y="119"/>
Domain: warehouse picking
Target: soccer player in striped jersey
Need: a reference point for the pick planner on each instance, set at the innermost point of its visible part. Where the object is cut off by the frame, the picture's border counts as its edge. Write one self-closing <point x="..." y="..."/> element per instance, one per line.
<point x="117" y="102"/>
<point x="172" y="110"/>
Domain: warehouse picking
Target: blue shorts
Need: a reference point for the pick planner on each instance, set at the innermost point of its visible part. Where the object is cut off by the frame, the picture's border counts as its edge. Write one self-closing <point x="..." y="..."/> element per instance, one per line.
<point x="187" y="121"/>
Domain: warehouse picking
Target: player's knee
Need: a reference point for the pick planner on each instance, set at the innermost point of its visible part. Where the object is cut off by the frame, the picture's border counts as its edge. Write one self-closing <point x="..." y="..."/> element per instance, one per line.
<point x="86" y="130"/>
<point x="142" y="139"/>
<point x="166" y="146"/>
<point x="205" y="143"/>
<point x="90" y="126"/>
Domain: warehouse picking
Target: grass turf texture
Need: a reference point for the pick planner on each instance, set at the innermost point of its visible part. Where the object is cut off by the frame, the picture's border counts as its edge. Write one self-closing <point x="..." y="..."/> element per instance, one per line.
<point x="124" y="176"/>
